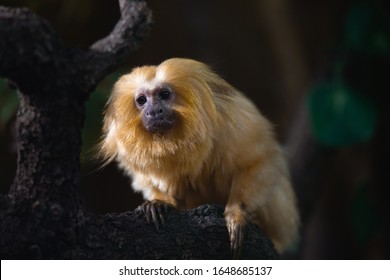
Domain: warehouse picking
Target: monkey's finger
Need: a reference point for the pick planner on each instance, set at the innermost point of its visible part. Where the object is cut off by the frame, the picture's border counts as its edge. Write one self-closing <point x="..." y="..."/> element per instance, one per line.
<point x="237" y="244"/>
<point x="236" y="238"/>
<point x="145" y="209"/>
<point x="161" y="214"/>
<point x="155" y="217"/>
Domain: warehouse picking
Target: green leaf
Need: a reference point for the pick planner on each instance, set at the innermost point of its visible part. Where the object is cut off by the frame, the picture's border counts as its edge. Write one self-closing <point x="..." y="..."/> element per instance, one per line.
<point x="8" y="103"/>
<point x="340" y="116"/>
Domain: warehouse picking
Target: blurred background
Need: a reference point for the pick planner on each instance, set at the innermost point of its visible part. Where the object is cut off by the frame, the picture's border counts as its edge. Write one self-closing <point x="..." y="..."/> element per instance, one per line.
<point x="318" y="70"/>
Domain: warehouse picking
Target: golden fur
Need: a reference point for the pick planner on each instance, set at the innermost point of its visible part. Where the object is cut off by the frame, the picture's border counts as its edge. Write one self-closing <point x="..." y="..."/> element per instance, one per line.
<point x="220" y="150"/>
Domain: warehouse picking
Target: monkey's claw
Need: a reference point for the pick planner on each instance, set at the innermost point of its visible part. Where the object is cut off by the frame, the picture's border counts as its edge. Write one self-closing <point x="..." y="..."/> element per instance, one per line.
<point x="155" y="211"/>
<point x="236" y="236"/>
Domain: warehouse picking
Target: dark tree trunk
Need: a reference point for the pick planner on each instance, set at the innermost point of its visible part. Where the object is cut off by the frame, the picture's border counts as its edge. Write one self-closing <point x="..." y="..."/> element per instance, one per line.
<point x="43" y="214"/>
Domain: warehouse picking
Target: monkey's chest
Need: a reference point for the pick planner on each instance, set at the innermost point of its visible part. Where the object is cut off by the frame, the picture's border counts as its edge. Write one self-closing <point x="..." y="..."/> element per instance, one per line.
<point x="190" y="195"/>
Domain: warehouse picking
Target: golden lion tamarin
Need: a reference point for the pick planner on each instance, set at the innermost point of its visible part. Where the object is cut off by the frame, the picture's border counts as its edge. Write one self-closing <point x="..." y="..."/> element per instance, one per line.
<point x="187" y="137"/>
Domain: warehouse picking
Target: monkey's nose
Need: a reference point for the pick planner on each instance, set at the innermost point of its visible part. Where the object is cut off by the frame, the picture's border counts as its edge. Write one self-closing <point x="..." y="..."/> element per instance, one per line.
<point x="155" y="113"/>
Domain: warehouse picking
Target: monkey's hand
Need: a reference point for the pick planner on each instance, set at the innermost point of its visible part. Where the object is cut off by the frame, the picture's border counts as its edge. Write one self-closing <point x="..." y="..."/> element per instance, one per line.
<point x="155" y="211"/>
<point x="236" y="228"/>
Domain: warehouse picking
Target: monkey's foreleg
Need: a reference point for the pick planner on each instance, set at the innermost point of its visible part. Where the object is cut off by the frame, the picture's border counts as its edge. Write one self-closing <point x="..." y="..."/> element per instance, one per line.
<point x="236" y="231"/>
<point x="155" y="211"/>
<point x="244" y="196"/>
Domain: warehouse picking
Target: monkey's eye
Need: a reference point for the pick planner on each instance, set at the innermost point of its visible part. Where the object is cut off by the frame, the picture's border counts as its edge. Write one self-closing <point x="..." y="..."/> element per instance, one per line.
<point x="141" y="100"/>
<point x="164" y="94"/>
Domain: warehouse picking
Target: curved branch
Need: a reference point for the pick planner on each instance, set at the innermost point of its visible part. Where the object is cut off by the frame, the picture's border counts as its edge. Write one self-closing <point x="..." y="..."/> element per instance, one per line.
<point x="130" y="30"/>
<point x="128" y="34"/>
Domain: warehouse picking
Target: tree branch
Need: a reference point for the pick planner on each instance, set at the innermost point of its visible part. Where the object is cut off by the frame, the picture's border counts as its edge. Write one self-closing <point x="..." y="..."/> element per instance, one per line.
<point x="199" y="233"/>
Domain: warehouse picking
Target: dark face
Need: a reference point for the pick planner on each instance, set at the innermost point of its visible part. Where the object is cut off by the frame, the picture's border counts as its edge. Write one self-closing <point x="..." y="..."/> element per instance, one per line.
<point x="156" y="109"/>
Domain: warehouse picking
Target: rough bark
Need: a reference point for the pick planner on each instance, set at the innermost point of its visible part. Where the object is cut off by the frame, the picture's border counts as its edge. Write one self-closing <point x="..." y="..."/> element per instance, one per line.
<point x="43" y="214"/>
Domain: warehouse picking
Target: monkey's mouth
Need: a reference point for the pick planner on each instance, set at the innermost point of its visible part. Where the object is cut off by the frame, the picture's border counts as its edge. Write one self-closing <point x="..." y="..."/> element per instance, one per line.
<point x="159" y="125"/>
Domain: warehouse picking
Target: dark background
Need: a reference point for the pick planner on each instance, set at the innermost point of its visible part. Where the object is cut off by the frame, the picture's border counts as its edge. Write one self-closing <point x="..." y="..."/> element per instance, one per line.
<point x="283" y="55"/>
